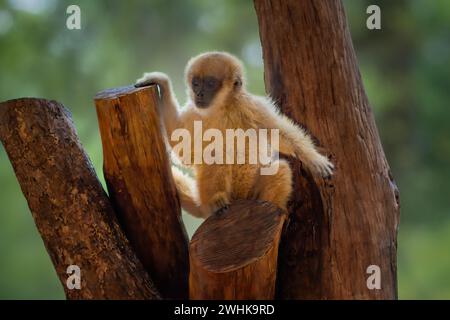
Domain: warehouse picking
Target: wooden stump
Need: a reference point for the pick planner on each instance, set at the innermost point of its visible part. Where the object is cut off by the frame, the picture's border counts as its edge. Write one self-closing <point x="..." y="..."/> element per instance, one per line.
<point x="71" y="210"/>
<point x="138" y="175"/>
<point x="234" y="255"/>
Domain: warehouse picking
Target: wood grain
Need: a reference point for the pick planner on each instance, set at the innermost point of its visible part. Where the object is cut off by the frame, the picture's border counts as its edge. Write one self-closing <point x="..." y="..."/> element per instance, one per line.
<point x="233" y="255"/>
<point x="139" y="180"/>
<point x="340" y="226"/>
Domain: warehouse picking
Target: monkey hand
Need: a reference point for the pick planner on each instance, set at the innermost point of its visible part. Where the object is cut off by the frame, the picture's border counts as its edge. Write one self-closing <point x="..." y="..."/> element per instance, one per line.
<point x="320" y="165"/>
<point x="158" y="78"/>
<point x="219" y="203"/>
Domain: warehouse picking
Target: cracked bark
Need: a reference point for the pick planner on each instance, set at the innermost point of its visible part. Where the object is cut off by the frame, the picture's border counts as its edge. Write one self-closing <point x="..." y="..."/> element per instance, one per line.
<point x="71" y="210"/>
<point x="339" y="226"/>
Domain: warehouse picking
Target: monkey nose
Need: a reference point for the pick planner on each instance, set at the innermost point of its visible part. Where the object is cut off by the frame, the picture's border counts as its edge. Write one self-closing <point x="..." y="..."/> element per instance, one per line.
<point x="200" y="94"/>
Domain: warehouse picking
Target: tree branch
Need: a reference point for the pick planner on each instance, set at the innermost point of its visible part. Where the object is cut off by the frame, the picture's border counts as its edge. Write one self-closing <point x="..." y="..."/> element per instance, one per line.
<point x="71" y="211"/>
<point x="340" y="226"/>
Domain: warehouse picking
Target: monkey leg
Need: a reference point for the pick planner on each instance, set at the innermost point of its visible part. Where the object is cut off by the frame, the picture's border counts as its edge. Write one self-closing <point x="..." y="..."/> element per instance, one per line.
<point x="275" y="188"/>
<point x="214" y="186"/>
<point x="187" y="191"/>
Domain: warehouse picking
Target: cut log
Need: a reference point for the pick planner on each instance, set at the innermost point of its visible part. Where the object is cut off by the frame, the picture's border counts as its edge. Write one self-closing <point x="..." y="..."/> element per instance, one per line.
<point x="234" y="255"/>
<point x="71" y="210"/>
<point x="139" y="179"/>
<point x="338" y="227"/>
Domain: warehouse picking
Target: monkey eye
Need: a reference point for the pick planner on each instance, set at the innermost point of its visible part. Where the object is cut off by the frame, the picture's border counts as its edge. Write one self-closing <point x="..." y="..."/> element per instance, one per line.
<point x="211" y="83"/>
<point x="195" y="82"/>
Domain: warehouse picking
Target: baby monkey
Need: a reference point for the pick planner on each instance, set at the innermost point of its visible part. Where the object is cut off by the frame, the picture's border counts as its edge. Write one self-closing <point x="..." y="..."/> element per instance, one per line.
<point x="219" y="99"/>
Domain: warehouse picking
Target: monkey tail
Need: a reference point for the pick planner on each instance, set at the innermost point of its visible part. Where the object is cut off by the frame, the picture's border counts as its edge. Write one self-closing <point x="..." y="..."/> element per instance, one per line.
<point x="187" y="191"/>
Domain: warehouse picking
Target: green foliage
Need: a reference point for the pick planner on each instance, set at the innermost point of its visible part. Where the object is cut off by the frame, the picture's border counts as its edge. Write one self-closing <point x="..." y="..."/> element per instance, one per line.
<point x="404" y="66"/>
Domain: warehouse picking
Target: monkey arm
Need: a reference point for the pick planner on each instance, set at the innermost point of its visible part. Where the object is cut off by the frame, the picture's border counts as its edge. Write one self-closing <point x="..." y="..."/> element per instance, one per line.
<point x="294" y="141"/>
<point x="188" y="193"/>
<point x="169" y="106"/>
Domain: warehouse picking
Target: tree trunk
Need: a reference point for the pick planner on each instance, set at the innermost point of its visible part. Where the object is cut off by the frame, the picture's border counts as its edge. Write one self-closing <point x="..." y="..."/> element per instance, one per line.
<point x="234" y="255"/>
<point x="340" y="226"/>
<point x="139" y="179"/>
<point x="72" y="212"/>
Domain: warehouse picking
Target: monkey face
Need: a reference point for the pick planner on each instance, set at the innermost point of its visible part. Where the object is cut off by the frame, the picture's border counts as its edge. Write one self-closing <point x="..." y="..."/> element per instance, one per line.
<point x="212" y="78"/>
<point x="205" y="89"/>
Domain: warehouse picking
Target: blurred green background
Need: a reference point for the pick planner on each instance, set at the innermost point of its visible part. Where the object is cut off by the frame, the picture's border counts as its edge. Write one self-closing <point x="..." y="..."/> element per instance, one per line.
<point x="405" y="67"/>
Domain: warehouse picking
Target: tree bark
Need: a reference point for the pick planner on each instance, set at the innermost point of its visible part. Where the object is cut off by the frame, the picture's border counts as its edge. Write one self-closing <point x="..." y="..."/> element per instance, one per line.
<point x="72" y="212"/>
<point x="139" y="179"/>
<point x="340" y="226"/>
<point x="234" y="255"/>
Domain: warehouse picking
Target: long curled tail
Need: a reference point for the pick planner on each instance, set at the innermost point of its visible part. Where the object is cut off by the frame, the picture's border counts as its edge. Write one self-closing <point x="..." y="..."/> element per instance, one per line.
<point x="187" y="191"/>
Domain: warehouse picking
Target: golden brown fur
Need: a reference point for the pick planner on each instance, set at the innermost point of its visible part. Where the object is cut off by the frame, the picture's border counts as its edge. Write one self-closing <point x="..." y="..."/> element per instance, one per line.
<point x="216" y="185"/>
